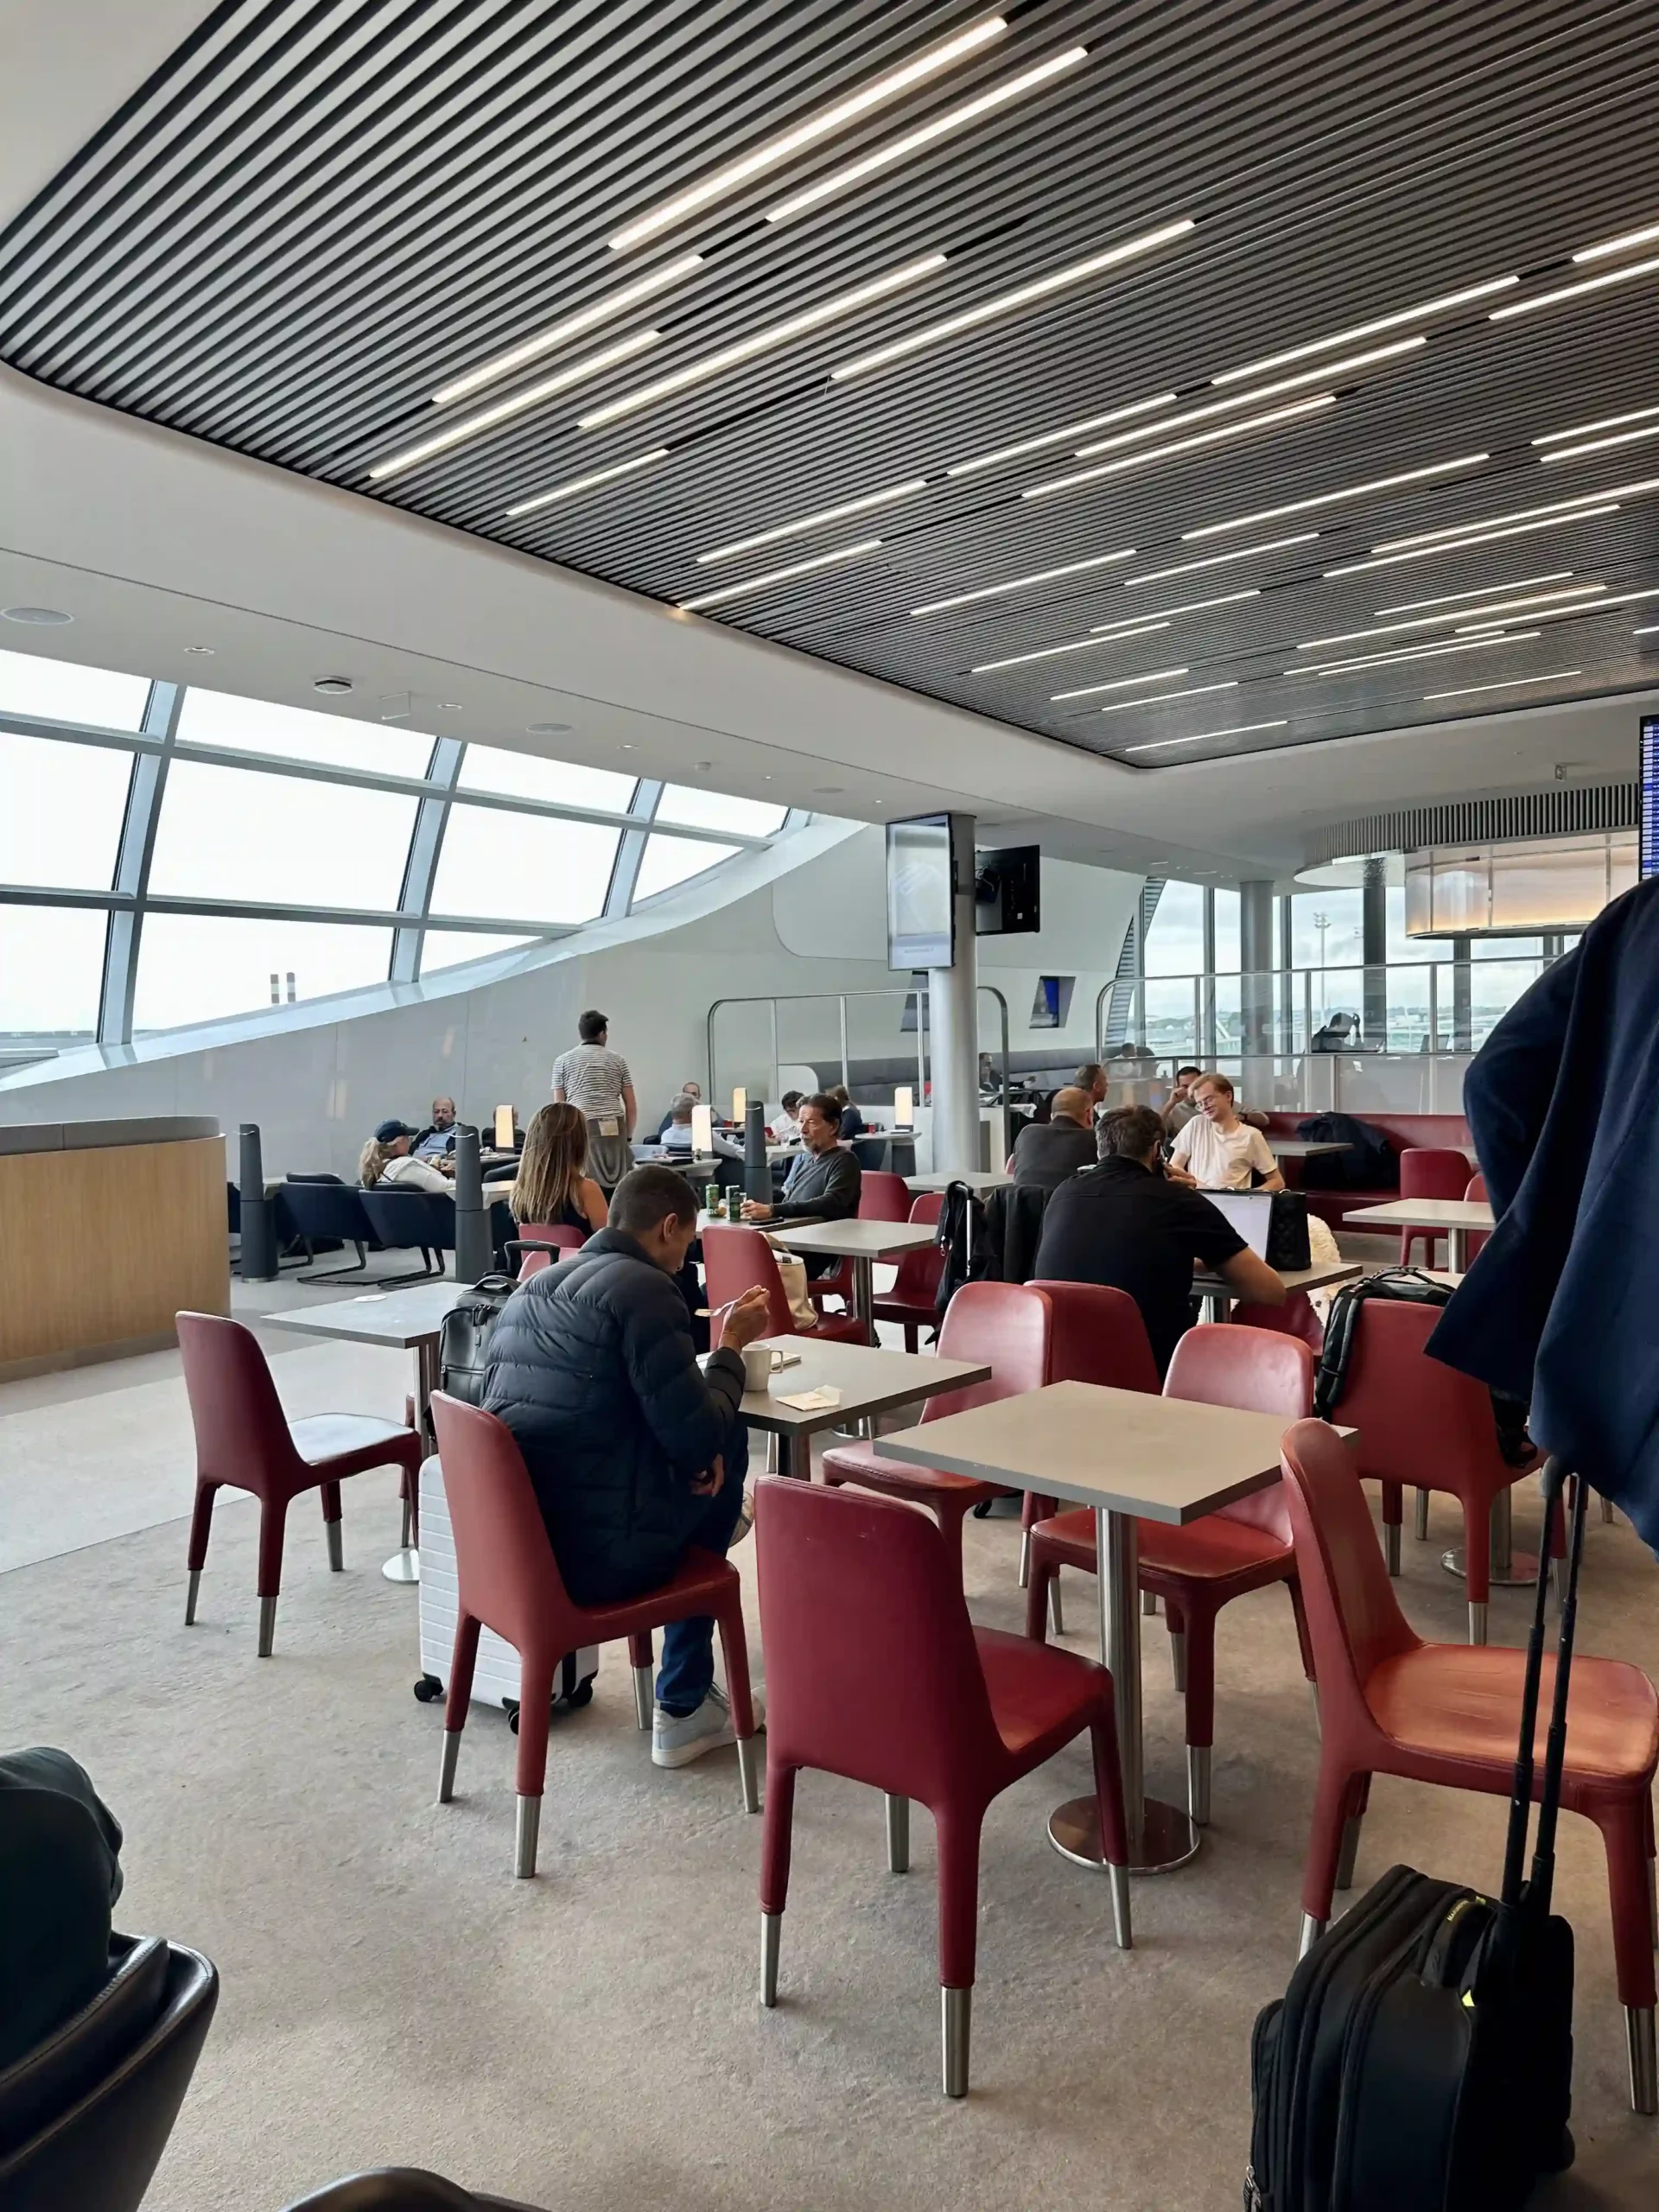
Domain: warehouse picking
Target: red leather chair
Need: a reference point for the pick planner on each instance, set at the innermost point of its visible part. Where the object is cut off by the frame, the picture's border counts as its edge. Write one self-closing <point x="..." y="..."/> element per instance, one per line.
<point x="509" y="1580"/>
<point x="1004" y="1324"/>
<point x="556" y="1233"/>
<point x="1476" y="1193"/>
<point x="1421" y="1422"/>
<point x="736" y="1259"/>
<point x="1391" y="1704"/>
<point x="883" y="1197"/>
<point x="244" y="1438"/>
<point x="1199" y="1568"/>
<point x="1425" y="1173"/>
<point x="875" y="1671"/>
<point x="910" y="1301"/>
<point x="1295" y="1317"/>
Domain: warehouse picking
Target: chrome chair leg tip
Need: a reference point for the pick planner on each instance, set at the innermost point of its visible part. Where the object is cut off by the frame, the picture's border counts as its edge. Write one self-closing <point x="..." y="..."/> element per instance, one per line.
<point x="748" y="1773"/>
<point x="1478" y="1623"/>
<point x="771" y="1930"/>
<point x="1644" y="2057"/>
<point x="955" y="2024"/>
<point x="191" y="1591"/>
<point x="528" y="1830"/>
<point x="1122" y="1924"/>
<point x="642" y="1696"/>
<point x="1056" y="1614"/>
<point x="1311" y="1931"/>
<point x="1198" y="1784"/>
<point x="447" y="1765"/>
<point x="267" y="1626"/>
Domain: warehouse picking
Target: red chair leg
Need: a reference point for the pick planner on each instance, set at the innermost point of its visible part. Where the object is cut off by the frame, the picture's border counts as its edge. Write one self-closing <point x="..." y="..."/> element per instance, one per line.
<point x="1108" y="1791"/>
<point x="777" y="1829"/>
<point x="1043" y="1572"/>
<point x="1622" y="1835"/>
<point x="195" y="1557"/>
<point x="951" y="1516"/>
<point x="959" y="1830"/>
<point x="1394" y="1514"/>
<point x="535" y="1723"/>
<point x="1331" y="1809"/>
<point x="273" y="1522"/>
<point x="1477" y="1563"/>
<point x="458" y="1703"/>
<point x="1199" y="1632"/>
<point x="912" y="1335"/>
<point x="735" y="1651"/>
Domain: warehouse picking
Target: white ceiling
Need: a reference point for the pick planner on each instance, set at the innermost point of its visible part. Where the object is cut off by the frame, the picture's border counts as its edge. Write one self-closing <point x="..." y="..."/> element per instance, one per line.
<point x="155" y="541"/>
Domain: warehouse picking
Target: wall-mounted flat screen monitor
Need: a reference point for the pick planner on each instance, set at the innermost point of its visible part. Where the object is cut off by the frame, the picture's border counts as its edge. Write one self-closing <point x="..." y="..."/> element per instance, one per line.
<point x="921" y="909"/>
<point x="1051" y="1007"/>
<point x="1649" y="841"/>
<point x="1008" y="891"/>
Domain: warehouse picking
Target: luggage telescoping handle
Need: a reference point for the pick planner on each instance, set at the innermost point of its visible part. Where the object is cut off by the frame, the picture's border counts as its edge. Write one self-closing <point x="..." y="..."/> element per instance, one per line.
<point x="1544" y="1861"/>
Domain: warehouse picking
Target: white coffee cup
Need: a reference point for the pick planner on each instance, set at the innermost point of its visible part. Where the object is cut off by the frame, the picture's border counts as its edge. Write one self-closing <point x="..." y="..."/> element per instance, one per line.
<point x="757" y="1366"/>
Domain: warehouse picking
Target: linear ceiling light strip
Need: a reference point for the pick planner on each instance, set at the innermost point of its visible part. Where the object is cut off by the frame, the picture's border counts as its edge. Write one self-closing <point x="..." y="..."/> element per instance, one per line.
<point x="558" y="334"/>
<point x="1480" y="538"/>
<point x="475" y="426"/>
<point x="1218" y="560"/>
<point x="1557" y="510"/>
<point x="1411" y="652"/>
<point x="1010" y="303"/>
<point x="1589" y="607"/>
<point x="1588" y="429"/>
<point x="1075" y="646"/>
<point x="1123" y="683"/>
<point x="720" y="183"/>
<point x="763" y="341"/>
<point x="1441" y="306"/>
<point x="1601" y="445"/>
<point x="1578" y="592"/>
<point x="1509" y="683"/>
<point x="1023" y="583"/>
<point x="1332" y="498"/>
<point x="781" y="576"/>
<point x="1062" y="437"/>
<point x="1618" y="245"/>
<point x="1478" y="591"/>
<point x="816" y="521"/>
<point x="1179" y="446"/>
<point x="914" y="142"/>
<point x="1204" y="737"/>
<point x="586" y="483"/>
<point x="1128" y="706"/>
<point x="1574" y="291"/>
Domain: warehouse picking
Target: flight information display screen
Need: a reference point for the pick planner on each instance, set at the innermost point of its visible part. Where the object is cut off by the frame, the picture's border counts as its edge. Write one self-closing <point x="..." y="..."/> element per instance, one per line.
<point x="1650" y="794"/>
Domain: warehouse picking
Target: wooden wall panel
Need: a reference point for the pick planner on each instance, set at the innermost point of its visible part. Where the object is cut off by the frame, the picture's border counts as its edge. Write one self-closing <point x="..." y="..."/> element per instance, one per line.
<point x="101" y="1247"/>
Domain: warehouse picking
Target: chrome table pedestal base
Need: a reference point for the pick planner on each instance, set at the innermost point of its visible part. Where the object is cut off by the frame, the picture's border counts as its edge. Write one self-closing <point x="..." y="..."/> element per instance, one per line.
<point x="1168" y="1837"/>
<point x="1509" y="1573"/>
<point x="404" y="1566"/>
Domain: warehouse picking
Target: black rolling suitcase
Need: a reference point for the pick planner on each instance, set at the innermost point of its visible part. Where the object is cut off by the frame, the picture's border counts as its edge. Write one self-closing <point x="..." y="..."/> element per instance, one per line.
<point x="1421" y="2059"/>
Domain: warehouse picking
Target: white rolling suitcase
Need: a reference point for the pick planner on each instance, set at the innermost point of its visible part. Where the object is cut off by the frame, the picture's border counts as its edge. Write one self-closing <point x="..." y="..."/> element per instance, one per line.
<point x="496" y="1677"/>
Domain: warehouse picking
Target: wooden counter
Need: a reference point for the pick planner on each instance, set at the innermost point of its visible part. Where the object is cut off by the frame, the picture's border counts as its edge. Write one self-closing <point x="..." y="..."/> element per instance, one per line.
<point x="103" y="1240"/>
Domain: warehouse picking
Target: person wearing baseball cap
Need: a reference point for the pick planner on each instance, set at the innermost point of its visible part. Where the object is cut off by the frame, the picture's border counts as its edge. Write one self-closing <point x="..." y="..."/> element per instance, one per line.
<point x="387" y="1163"/>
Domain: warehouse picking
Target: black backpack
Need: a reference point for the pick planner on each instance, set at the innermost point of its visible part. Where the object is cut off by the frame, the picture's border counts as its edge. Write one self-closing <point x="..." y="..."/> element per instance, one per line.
<point x="1370" y="1163"/>
<point x="960" y="1237"/>
<point x="1407" y="1286"/>
<point x="464" y="1338"/>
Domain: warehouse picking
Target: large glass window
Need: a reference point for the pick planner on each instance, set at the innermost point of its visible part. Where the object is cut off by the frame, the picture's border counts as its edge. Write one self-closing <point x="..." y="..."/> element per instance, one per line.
<point x="296" y="734"/>
<point x="31" y="684"/>
<point x="700" y="810"/>
<point x="60" y="812"/>
<point x="669" y="861"/>
<point x="51" y="970"/>
<point x="1326" y="929"/>
<point x="1175" y="941"/>
<point x="1228" y="961"/>
<point x="204" y="967"/>
<point x="528" y="867"/>
<point x="234" y="833"/>
<point x="449" y="948"/>
<point x="560" y="783"/>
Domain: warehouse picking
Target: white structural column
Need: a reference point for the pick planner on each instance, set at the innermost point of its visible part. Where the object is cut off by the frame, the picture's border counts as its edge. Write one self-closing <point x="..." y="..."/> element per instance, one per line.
<point x="953" y="1024"/>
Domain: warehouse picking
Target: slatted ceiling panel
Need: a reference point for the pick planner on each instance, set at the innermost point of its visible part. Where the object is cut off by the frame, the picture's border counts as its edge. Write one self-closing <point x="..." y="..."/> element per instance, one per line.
<point x="318" y="213"/>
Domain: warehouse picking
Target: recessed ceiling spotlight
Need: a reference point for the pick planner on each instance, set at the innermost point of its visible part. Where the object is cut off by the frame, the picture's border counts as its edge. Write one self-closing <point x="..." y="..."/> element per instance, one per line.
<point x="1575" y="291"/>
<point x="206" y="652"/>
<point x="334" y="686"/>
<point x="1368" y="329"/>
<point x="44" y="617"/>
<point x="721" y="182"/>
<point x="545" y="729"/>
<point x="1144" y="454"/>
<point x="672" y="272"/>
<point x="1009" y="302"/>
<point x="488" y="418"/>
<point x="828" y="791"/>
<point x="448" y="706"/>
<point x="763" y="341"/>
<point x="1329" y="499"/>
<point x="703" y="766"/>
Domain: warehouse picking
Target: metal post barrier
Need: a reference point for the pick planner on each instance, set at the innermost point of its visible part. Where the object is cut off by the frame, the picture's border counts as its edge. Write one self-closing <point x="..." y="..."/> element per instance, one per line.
<point x="474" y="1249"/>
<point x="757" y="1174"/>
<point x="258" y="1261"/>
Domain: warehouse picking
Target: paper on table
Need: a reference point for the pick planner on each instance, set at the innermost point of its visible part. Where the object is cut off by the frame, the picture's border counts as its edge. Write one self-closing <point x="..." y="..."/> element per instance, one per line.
<point x="811" y="1401"/>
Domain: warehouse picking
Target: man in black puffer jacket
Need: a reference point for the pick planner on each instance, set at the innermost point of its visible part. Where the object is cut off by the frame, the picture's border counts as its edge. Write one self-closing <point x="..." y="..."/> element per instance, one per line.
<point x="636" y="1454"/>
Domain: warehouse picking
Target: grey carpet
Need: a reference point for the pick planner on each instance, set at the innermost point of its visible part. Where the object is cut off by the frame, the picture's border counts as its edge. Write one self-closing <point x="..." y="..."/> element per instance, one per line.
<point x="591" y="2041"/>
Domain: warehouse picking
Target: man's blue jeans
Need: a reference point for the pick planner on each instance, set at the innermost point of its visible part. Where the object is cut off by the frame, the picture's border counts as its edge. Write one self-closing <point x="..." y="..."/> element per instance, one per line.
<point x="688" y="1668"/>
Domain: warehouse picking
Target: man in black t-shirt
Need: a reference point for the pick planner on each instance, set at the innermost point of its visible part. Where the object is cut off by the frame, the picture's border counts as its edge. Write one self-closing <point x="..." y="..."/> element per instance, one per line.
<point x="1122" y="1225"/>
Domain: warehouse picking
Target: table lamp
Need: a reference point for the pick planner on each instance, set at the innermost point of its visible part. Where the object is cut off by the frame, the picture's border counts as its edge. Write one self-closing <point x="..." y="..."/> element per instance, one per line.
<point x="504" y="1128"/>
<point x="702" y="1131"/>
<point x="903" y="1106"/>
<point x="740" y="1102"/>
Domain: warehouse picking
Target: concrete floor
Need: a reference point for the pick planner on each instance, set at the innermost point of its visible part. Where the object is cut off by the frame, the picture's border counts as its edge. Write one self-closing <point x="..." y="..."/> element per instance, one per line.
<point x="592" y="2039"/>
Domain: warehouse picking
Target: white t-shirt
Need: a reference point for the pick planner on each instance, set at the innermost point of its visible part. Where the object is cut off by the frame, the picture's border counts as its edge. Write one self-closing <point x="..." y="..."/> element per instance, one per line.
<point x="1218" y="1162"/>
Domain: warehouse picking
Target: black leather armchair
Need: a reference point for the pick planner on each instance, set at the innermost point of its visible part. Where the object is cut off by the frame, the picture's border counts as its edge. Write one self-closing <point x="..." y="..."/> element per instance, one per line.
<point x="85" y="2114"/>
<point x="422" y="1221"/>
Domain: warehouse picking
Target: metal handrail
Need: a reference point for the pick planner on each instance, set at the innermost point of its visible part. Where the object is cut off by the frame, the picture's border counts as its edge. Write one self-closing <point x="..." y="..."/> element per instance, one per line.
<point x="771" y="1001"/>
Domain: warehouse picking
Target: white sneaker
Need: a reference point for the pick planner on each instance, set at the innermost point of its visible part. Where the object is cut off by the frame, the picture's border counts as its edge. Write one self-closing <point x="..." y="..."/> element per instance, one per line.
<point x="676" y="1740"/>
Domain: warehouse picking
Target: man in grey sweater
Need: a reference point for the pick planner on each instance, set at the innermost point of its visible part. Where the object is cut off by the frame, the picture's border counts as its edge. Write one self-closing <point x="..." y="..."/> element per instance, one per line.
<point x="825" y="1181"/>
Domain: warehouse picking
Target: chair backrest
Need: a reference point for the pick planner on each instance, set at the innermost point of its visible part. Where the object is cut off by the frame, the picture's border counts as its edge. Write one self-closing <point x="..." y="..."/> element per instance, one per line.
<point x="1476" y="1193"/>
<point x="505" y="1569"/>
<point x="1353" y="1617"/>
<point x="242" y="1434"/>
<point x="1259" y="1371"/>
<point x="919" y="1272"/>
<point x="872" y="1669"/>
<point x="406" y="1219"/>
<point x="558" y="1233"/>
<point x="1098" y="1337"/>
<point x="883" y="1196"/>
<point x="314" y="1208"/>
<point x="1295" y="1317"/>
<point x="1411" y="1411"/>
<point x="1004" y="1323"/>
<point x="84" y="2116"/>
<point x="1430" y="1173"/>
<point x="736" y="1259"/>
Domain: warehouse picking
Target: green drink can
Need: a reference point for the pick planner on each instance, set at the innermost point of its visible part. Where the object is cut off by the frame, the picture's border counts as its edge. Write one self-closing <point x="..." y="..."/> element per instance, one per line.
<point x="711" y="1197"/>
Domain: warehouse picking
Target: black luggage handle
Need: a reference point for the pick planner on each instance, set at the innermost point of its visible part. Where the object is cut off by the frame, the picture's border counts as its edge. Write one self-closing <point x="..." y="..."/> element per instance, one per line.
<point x="1541" y="1883"/>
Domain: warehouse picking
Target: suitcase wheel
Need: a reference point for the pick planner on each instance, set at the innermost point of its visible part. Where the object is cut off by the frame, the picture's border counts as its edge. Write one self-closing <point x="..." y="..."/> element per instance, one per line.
<point x="429" y="1689"/>
<point x="582" y="1694"/>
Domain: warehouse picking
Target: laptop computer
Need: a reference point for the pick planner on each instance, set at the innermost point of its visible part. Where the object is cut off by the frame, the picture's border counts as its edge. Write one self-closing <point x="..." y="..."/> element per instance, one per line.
<point x="1249" y="1213"/>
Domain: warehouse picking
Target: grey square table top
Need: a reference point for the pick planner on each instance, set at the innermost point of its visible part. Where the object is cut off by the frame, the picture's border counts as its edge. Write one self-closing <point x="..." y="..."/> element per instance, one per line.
<point x="977" y="1179"/>
<point x="1427" y="1213"/>
<point x="402" y="1318"/>
<point x="851" y="1240"/>
<point x="1166" y="1460"/>
<point x="869" y="1382"/>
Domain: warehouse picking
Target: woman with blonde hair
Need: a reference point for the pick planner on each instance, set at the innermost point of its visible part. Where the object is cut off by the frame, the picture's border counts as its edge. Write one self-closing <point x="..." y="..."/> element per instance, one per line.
<point x="553" y="1186"/>
<point x="386" y="1162"/>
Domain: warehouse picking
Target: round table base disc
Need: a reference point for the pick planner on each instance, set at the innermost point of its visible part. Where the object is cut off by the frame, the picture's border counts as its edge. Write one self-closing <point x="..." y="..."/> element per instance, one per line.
<point x="402" y="1566"/>
<point x="1523" y="1574"/>
<point x="1168" y="1839"/>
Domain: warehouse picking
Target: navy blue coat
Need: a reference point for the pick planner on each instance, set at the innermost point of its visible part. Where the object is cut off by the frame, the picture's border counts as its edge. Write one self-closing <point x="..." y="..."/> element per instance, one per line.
<point x="591" y="1366"/>
<point x="1562" y="1306"/>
